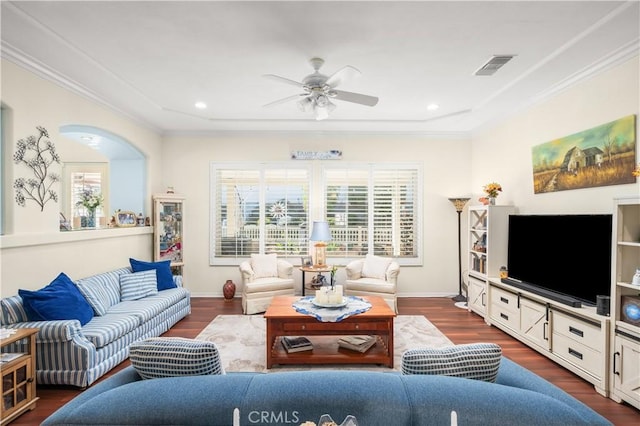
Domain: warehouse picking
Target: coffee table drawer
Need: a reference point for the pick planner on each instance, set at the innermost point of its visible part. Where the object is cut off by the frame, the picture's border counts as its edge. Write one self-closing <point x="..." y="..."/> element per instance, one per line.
<point x="335" y="326"/>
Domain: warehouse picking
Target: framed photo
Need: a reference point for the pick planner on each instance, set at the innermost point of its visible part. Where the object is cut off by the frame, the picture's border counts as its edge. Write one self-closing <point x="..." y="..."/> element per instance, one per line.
<point x="65" y="225"/>
<point x="125" y="218"/>
<point x="306" y="261"/>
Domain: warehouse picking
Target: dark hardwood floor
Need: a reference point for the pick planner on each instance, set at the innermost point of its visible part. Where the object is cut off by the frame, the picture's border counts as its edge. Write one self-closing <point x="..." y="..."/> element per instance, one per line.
<point x="458" y="324"/>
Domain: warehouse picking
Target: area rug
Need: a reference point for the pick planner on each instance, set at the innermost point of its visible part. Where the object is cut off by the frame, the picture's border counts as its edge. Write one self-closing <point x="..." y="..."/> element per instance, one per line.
<point x="241" y="342"/>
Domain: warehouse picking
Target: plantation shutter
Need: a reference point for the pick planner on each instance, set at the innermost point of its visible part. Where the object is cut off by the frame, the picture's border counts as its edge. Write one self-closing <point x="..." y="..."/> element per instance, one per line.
<point x="259" y="210"/>
<point x="394" y="212"/>
<point x="372" y="209"/>
<point x="236" y="206"/>
<point x="347" y="206"/>
<point x="286" y="194"/>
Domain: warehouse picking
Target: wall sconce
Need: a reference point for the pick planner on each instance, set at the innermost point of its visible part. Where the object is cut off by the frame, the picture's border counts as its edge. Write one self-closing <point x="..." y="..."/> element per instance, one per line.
<point x="320" y="234"/>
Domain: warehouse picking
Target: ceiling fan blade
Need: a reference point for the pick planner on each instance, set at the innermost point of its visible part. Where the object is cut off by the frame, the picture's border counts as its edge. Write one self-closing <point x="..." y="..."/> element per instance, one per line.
<point x="356" y="98"/>
<point x="342" y="75"/>
<point x="283" y="80"/>
<point x="283" y="100"/>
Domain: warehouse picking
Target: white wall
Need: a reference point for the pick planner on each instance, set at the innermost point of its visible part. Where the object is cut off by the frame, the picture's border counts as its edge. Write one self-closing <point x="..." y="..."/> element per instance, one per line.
<point x="33" y="251"/>
<point x="446" y="173"/>
<point x="503" y="153"/>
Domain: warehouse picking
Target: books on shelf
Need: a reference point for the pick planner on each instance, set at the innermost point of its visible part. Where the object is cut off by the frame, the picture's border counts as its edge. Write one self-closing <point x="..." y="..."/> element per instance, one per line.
<point x="9" y="356"/>
<point x="296" y="343"/>
<point x="7" y="332"/>
<point x="357" y="343"/>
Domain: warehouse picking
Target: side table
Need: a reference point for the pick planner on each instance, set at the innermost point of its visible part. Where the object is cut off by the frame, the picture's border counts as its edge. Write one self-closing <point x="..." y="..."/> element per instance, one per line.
<point x="314" y="270"/>
<point x="18" y="375"/>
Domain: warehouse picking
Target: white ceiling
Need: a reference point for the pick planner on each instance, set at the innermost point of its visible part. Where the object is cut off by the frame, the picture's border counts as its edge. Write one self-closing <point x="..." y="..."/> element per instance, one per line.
<point x="152" y="60"/>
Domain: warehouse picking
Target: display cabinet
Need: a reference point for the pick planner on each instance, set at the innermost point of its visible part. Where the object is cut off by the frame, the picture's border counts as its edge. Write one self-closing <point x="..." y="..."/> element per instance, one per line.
<point x="488" y="228"/>
<point x="168" y="213"/>
<point x="625" y="302"/>
<point x="18" y="366"/>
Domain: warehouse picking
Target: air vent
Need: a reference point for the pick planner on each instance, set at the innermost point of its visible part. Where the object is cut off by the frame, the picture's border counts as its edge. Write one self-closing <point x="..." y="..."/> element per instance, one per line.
<point x="494" y="64"/>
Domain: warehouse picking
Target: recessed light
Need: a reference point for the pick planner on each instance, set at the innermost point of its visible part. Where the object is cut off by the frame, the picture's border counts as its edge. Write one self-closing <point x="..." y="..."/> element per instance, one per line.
<point x="432" y="107"/>
<point x="201" y="105"/>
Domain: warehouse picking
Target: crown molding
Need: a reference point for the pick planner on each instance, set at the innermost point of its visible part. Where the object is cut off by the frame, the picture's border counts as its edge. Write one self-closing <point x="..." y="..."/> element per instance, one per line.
<point x="18" y="57"/>
<point x="612" y="60"/>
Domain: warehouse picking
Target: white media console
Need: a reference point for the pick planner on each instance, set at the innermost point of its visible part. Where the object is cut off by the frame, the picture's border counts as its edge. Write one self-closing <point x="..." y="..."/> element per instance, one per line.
<point x="575" y="337"/>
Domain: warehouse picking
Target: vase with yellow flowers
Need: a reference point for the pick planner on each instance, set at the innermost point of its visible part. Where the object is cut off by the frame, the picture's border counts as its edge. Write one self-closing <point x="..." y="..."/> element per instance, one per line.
<point x="492" y="190"/>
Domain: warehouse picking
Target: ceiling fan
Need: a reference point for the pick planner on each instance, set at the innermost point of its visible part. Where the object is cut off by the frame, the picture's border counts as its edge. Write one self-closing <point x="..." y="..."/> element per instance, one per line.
<point x="319" y="90"/>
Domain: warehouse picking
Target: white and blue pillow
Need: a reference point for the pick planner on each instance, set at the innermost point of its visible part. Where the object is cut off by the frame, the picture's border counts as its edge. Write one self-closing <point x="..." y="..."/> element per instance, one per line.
<point x="163" y="272"/>
<point x="158" y="357"/>
<point x="12" y="310"/>
<point x="138" y="285"/>
<point x="102" y="291"/>
<point x="478" y="361"/>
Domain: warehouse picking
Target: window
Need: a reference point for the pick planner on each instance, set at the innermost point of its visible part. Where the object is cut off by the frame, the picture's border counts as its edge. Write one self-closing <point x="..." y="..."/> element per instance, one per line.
<point x="372" y="209"/>
<point x="80" y="177"/>
<point x="259" y="209"/>
<point x="264" y="208"/>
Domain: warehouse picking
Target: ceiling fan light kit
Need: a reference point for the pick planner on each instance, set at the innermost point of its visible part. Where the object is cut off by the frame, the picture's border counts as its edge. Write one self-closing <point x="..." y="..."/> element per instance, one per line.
<point x="320" y="89"/>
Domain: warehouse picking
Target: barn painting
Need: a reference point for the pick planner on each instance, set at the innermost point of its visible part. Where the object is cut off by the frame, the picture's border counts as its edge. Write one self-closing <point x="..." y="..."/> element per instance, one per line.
<point x="600" y="156"/>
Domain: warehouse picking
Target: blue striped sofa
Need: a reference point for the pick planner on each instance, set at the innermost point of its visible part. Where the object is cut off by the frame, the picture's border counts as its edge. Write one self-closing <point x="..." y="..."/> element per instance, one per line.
<point x="70" y="354"/>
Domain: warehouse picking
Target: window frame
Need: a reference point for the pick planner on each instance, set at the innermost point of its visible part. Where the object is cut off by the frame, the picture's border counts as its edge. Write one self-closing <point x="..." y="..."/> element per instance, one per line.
<point x="262" y="181"/>
<point x="371" y="169"/>
<point x="68" y="169"/>
<point x="317" y="208"/>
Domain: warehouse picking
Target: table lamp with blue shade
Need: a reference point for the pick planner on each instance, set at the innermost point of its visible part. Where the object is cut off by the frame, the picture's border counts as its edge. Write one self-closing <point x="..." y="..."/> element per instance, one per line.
<point x="320" y="234"/>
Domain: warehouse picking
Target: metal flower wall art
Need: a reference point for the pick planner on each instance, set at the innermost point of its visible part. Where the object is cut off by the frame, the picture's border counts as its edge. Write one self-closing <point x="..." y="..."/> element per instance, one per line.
<point x="38" y="153"/>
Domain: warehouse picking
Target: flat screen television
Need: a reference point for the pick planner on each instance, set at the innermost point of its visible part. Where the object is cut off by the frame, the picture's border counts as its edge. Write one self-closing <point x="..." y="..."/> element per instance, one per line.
<point x="566" y="258"/>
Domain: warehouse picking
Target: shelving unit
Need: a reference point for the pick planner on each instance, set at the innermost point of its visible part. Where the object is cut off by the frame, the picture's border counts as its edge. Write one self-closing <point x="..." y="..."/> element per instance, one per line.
<point x="625" y="335"/>
<point x="18" y="375"/>
<point x="168" y="213"/>
<point x="488" y="229"/>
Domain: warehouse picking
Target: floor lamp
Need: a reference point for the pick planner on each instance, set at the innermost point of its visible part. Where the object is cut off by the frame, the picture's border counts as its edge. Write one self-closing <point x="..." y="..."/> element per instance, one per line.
<point x="459" y="204"/>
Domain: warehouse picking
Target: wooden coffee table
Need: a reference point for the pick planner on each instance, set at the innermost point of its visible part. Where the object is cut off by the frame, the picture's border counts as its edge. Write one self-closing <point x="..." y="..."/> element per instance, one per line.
<point x="283" y="320"/>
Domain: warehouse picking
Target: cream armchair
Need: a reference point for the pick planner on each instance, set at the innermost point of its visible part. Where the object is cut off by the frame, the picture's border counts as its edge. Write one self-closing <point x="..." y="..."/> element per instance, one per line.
<point x="263" y="277"/>
<point x="373" y="276"/>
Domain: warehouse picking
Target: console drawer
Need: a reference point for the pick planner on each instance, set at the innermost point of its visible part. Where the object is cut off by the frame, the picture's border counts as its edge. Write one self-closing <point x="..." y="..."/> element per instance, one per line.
<point x="576" y="353"/>
<point x="583" y="332"/>
<point x="504" y="308"/>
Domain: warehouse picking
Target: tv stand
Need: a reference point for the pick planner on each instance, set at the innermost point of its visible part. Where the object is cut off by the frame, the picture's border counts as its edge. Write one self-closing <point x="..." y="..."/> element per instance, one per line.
<point x="575" y="337"/>
<point x="549" y="294"/>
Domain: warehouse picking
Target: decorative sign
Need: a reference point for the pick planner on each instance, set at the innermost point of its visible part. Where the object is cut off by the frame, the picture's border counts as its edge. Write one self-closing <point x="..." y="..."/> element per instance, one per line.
<point x="333" y="154"/>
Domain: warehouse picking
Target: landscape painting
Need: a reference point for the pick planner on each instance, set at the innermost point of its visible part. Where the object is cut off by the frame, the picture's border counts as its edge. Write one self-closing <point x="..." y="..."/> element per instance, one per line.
<point x="600" y="156"/>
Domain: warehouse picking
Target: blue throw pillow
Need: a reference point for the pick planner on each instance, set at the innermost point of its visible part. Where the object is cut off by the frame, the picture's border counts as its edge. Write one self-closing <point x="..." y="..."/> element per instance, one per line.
<point x="163" y="272"/>
<point x="60" y="300"/>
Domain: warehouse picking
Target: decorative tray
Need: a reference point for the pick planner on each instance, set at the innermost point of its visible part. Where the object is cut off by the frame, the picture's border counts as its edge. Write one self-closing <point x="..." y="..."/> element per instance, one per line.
<point x="330" y="305"/>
